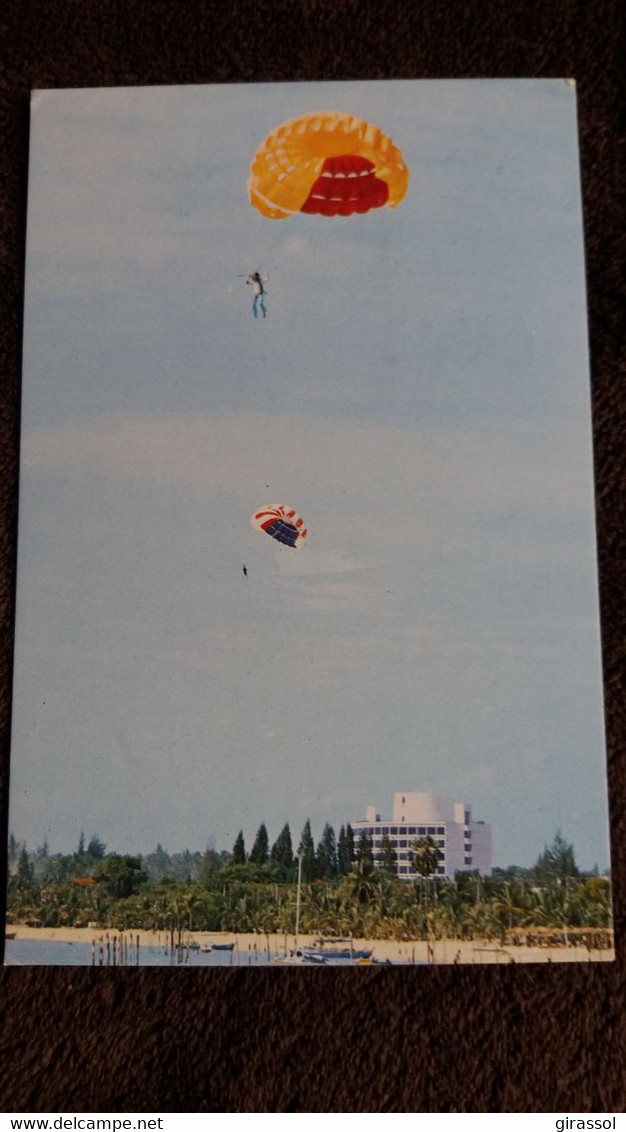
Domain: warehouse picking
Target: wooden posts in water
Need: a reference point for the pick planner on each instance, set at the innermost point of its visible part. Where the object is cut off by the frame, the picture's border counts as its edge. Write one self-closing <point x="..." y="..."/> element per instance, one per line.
<point x="121" y="950"/>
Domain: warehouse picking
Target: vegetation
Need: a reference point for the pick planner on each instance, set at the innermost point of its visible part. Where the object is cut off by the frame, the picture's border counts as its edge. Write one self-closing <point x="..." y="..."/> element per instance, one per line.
<point x="346" y="891"/>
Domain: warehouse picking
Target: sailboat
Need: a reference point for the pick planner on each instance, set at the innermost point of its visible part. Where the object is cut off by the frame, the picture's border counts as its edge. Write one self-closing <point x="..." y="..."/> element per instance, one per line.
<point x="297" y="957"/>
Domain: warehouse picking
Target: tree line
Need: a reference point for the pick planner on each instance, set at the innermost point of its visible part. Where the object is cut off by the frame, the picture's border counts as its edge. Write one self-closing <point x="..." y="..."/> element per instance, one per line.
<point x="332" y="857"/>
<point x="344" y="889"/>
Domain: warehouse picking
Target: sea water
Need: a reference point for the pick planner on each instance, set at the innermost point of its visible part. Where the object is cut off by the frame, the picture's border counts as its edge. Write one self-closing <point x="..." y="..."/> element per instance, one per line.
<point x="65" y="953"/>
<point x="61" y="953"/>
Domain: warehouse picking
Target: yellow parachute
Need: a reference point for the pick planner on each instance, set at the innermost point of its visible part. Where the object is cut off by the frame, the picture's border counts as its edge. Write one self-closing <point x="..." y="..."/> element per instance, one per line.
<point x="329" y="163"/>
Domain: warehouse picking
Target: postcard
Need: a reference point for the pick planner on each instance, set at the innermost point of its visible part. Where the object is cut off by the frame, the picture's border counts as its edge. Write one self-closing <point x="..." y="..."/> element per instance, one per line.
<point x="308" y="665"/>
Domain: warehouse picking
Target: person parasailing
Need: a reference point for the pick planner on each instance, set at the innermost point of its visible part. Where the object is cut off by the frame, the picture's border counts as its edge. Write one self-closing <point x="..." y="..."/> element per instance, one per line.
<point x="259" y="292"/>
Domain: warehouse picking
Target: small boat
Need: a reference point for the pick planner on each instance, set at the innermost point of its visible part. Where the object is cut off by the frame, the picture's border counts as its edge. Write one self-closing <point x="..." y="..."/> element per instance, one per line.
<point x="299" y="959"/>
<point x="337" y="947"/>
<point x="10" y="935"/>
<point x="316" y="958"/>
<point x="222" y="947"/>
<point x="331" y="952"/>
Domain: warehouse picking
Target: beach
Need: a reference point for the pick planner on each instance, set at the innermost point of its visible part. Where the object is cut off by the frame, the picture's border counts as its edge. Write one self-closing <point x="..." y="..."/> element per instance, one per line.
<point x="436" y="952"/>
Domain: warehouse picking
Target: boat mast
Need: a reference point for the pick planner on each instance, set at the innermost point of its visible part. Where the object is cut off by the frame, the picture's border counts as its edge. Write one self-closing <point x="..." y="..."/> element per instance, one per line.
<point x="298" y="897"/>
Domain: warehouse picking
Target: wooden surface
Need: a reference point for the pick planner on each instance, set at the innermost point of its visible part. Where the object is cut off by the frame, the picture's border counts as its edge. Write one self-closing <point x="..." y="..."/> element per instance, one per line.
<point x="549" y="1039"/>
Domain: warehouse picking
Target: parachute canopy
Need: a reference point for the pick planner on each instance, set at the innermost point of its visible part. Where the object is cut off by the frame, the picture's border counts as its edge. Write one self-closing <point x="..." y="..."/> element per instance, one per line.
<point x="329" y="163"/>
<point x="282" y="523"/>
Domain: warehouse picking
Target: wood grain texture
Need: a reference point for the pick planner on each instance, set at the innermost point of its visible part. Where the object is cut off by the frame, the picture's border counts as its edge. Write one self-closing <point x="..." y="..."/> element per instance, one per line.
<point x="491" y="1040"/>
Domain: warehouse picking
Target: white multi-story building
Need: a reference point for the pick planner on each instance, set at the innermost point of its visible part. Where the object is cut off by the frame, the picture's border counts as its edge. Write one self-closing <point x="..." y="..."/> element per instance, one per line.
<point x="464" y="844"/>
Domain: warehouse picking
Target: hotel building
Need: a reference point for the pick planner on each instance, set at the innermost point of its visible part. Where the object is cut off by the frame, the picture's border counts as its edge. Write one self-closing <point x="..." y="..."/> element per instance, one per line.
<point x="464" y="844"/>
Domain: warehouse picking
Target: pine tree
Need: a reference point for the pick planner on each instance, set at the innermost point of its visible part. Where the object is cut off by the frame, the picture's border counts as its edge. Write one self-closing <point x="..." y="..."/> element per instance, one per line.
<point x="158" y="864"/>
<point x="210" y="865"/>
<point x="260" y="850"/>
<point x="282" y="849"/>
<point x="42" y="867"/>
<point x="24" y="866"/>
<point x="239" y="850"/>
<point x="96" y="849"/>
<point x="306" y="852"/>
<point x="388" y="856"/>
<point x="345" y="850"/>
<point x="557" y="862"/>
<point x="365" y="853"/>
<point x="327" y="854"/>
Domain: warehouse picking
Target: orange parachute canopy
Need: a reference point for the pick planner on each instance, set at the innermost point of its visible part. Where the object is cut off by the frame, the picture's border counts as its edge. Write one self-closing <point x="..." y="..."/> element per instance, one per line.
<point x="329" y="163"/>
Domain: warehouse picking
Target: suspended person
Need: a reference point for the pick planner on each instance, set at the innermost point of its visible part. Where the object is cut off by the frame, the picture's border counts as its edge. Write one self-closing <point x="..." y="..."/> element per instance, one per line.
<point x="259" y="293"/>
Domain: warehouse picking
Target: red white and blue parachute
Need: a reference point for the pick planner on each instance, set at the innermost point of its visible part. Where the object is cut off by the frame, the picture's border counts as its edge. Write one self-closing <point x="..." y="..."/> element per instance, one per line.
<point x="281" y="523"/>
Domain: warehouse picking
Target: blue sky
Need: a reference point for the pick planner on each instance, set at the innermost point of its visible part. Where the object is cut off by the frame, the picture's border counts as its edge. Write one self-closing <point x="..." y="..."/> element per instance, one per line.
<point x="419" y="392"/>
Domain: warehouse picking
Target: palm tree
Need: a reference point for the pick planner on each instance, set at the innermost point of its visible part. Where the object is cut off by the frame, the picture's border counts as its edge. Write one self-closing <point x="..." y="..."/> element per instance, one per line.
<point x="590" y="905"/>
<point x="510" y="907"/>
<point x="358" y="888"/>
<point x="424" y="858"/>
<point x="475" y="921"/>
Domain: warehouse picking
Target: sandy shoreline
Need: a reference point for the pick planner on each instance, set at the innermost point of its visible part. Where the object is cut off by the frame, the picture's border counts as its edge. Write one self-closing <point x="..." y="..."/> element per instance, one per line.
<point x="437" y="952"/>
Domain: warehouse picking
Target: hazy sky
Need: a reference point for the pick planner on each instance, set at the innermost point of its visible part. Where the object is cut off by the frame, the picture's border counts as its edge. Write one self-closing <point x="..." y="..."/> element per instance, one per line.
<point x="419" y="392"/>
